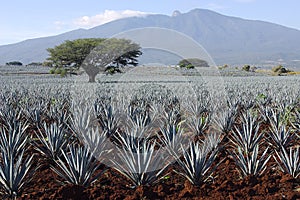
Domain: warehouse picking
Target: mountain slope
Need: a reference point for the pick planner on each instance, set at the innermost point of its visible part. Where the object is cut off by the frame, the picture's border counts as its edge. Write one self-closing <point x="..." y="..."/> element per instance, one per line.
<point x="228" y="40"/>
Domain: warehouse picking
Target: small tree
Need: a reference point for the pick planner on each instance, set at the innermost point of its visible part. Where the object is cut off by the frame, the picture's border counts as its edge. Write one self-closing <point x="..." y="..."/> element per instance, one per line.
<point x="35" y="64"/>
<point x="246" y="68"/>
<point x="14" y="63"/>
<point x="191" y="63"/>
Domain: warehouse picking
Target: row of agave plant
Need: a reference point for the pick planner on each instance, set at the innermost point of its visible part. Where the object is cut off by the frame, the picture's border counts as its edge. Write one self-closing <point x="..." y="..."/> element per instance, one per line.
<point x="141" y="139"/>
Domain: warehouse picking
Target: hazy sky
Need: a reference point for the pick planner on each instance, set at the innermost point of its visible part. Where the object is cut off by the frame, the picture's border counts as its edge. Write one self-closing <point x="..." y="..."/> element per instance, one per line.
<point x="24" y="19"/>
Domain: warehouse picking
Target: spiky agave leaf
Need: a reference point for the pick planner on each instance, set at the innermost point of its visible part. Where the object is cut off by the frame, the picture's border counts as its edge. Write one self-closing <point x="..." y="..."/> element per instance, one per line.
<point x="289" y="162"/>
<point x="197" y="163"/>
<point x="281" y="137"/>
<point x="13" y="173"/>
<point x="108" y="117"/>
<point x="173" y="138"/>
<point x="78" y="166"/>
<point x="13" y="140"/>
<point x="249" y="163"/>
<point x="248" y="136"/>
<point x="225" y="120"/>
<point x="140" y="163"/>
<point x="53" y="141"/>
<point x="97" y="142"/>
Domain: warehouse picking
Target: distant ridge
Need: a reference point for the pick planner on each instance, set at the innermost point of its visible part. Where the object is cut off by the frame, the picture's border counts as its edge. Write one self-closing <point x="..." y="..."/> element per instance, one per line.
<point x="229" y="40"/>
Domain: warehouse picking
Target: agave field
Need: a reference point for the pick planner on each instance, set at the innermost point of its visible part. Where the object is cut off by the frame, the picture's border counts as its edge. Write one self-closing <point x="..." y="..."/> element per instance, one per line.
<point x="146" y="137"/>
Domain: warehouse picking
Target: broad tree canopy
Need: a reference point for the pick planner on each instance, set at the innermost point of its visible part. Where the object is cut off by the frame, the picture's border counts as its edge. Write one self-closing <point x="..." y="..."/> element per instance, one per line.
<point x="111" y="53"/>
<point x="94" y="55"/>
<point x="71" y="54"/>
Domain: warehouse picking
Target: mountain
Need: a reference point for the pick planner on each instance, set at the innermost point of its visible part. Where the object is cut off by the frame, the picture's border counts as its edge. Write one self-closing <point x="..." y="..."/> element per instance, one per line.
<point x="229" y="40"/>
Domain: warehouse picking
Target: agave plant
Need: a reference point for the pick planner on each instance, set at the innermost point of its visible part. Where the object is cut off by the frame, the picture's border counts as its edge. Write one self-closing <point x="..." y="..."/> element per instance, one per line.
<point x="248" y="136"/>
<point x="52" y="141"/>
<point x="77" y="166"/>
<point x="275" y="118"/>
<point x="13" y="140"/>
<point x="173" y="138"/>
<point x="199" y="123"/>
<point x="249" y="163"/>
<point x="82" y="120"/>
<point x="96" y="142"/>
<point x="34" y="113"/>
<point x="289" y="162"/>
<point x="225" y="121"/>
<point x="281" y="137"/>
<point x="108" y="117"/>
<point x="139" y="125"/>
<point x="10" y="116"/>
<point x="15" y="172"/>
<point x="197" y="162"/>
<point x="140" y="162"/>
<point x="140" y="116"/>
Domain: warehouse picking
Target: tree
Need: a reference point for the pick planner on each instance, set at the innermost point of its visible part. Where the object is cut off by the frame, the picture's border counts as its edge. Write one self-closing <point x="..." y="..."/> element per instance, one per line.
<point x="191" y="63"/>
<point x="71" y="54"/>
<point x="35" y="64"/>
<point x="14" y="63"/>
<point x="111" y="53"/>
<point x="93" y="55"/>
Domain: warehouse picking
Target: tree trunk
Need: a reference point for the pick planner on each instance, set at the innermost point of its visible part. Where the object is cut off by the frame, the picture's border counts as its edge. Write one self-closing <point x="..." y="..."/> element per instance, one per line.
<point x="92" y="78"/>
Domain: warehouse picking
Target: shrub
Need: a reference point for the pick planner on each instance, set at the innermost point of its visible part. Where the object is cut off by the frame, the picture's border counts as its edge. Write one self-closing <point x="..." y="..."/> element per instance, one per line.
<point x="246" y="68"/>
<point x="57" y="71"/>
<point x="280" y="70"/>
<point x="190" y="66"/>
<point x="35" y="64"/>
<point x="14" y="63"/>
<point x="191" y="63"/>
<point x="52" y="71"/>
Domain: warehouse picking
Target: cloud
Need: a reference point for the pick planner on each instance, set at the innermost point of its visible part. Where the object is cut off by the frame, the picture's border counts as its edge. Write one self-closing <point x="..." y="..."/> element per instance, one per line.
<point x="106" y="16"/>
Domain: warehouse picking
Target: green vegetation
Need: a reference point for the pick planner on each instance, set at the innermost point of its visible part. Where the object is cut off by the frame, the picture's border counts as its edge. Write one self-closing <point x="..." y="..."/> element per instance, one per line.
<point x="279" y="70"/>
<point x="246" y="68"/>
<point x="223" y="67"/>
<point x="191" y="63"/>
<point x="35" y="64"/>
<point x="71" y="54"/>
<point x="94" y="55"/>
<point x="14" y="63"/>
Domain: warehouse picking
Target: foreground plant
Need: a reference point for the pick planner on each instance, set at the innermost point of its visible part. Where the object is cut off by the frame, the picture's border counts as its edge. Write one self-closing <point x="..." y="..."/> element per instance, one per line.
<point x="197" y="162"/>
<point x="140" y="162"/>
<point x="78" y="166"/>
<point x="13" y="140"/>
<point x="52" y="142"/>
<point x="247" y="137"/>
<point x="108" y="117"/>
<point x="281" y="137"/>
<point x="225" y="121"/>
<point x="14" y="174"/>
<point x="199" y="119"/>
<point x="249" y="163"/>
<point x="173" y="138"/>
<point x="289" y="162"/>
